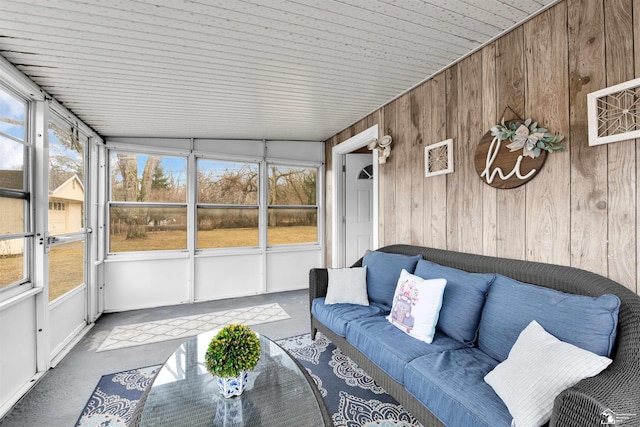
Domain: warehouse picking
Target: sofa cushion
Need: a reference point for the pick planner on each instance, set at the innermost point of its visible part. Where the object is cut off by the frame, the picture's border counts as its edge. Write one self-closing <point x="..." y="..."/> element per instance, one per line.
<point x="336" y="316"/>
<point x="538" y="368"/>
<point x="463" y="299"/>
<point x="347" y="286"/>
<point x="416" y="305"/>
<point x="586" y="322"/>
<point x="451" y="385"/>
<point x="389" y="348"/>
<point x="383" y="271"/>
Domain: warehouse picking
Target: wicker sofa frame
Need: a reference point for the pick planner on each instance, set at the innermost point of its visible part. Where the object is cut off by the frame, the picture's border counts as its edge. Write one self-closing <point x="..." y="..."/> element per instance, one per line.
<point x="615" y="389"/>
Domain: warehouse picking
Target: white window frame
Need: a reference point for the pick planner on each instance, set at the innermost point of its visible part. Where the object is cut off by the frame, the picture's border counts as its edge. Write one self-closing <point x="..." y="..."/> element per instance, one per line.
<point x="317" y="206"/>
<point x="142" y="150"/>
<point x="198" y="204"/>
<point x="26" y="283"/>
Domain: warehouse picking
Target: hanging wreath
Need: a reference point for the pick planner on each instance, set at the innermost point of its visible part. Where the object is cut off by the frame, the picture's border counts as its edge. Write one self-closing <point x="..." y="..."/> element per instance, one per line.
<point x="528" y="137"/>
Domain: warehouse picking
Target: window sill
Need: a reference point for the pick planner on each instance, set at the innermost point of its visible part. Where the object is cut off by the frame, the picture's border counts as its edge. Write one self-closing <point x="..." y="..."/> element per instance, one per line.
<point x="145" y="256"/>
<point x="19" y="298"/>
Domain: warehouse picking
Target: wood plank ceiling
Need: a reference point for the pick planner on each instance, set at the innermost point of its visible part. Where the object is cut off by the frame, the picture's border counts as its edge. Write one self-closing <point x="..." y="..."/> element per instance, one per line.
<point x="254" y="69"/>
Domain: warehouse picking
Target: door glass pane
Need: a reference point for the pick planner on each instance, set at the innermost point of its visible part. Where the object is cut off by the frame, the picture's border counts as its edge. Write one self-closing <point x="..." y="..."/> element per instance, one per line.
<point x="12" y="264"/>
<point x="227" y="228"/>
<point x="12" y="115"/>
<point x="134" y="229"/>
<point x="291" y="225"/>
<point x="66" y="268"/>
<point x="366" y="172"/>
<point x="148" y="178"/>
<point x="12" y="216"/>
<point x="12" y="154"/>
<point x="66" y="181"/>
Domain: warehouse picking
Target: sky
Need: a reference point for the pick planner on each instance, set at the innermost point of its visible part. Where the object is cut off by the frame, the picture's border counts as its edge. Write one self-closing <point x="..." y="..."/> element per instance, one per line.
<point x="11" y="152"/>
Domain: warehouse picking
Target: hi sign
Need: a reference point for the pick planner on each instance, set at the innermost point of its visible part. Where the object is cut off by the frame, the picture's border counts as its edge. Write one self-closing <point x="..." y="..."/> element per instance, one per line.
<point x="502" y="168"/>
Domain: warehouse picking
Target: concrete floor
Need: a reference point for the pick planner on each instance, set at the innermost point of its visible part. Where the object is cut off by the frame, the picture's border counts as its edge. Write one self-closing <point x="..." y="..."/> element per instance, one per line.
<point x="60" y="396"/>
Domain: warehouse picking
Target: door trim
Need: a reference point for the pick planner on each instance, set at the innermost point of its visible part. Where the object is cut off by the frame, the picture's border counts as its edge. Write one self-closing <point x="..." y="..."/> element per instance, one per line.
<point x="337" y="179"/>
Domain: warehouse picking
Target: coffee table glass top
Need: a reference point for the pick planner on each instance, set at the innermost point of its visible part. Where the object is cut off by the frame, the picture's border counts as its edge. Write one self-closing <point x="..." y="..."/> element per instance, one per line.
<point x="184" y="393"/>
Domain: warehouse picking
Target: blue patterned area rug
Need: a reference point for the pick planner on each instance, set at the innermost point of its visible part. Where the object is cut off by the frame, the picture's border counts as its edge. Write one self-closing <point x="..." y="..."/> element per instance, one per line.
<point x="115" y="398"/>
<point x="352" y="397"/>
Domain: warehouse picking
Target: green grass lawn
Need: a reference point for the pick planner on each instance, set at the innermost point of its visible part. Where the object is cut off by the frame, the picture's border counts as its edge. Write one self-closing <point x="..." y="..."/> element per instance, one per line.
<point x="66" y="266"/>
<point x="221" y="238"/>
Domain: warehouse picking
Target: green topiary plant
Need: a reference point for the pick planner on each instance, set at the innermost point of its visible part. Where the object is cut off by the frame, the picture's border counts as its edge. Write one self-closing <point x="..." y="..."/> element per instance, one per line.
<point x="234" y="349"/>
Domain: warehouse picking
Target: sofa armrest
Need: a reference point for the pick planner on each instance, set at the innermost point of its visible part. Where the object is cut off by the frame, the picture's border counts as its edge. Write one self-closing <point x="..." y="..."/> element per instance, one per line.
<point x="615" y="390"/>
<point x="318" y="281"/>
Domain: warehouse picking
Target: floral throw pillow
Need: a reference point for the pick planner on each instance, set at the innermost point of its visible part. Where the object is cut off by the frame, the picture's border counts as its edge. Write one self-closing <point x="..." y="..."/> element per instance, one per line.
<point x="416" y="305"/>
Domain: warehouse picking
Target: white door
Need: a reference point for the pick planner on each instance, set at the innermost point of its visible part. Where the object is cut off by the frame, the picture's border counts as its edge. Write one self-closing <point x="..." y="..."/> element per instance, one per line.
<point x="67" y="234"/>
<point x="358" y="206"/>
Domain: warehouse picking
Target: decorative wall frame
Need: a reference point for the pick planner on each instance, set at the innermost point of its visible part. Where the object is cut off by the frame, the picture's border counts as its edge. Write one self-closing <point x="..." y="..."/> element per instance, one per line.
<point x="614" y="113"/>
<point x="438" y="158"/>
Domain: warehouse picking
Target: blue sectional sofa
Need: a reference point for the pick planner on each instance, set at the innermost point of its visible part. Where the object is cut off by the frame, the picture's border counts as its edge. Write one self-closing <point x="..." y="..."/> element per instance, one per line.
<point x="487" y="303"/>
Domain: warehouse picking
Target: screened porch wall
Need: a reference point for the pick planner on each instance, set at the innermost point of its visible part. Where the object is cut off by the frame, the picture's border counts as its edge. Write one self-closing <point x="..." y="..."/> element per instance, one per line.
<point x="156" y="278"/>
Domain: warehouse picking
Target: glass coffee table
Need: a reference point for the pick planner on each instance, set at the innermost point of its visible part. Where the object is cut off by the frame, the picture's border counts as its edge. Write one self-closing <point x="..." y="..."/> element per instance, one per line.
<point x="280" y="392"/>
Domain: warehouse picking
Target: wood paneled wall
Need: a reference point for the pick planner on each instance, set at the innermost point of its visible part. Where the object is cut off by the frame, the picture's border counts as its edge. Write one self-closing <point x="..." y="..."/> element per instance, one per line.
<point x="581" y="209"/>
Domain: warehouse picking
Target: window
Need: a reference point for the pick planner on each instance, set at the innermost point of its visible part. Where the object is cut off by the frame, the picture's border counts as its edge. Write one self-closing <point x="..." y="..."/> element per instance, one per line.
<point x="15" y="218"/>
<point x="366" y="173"/>
<point x="228" y="208"/>
<point x="147" y="202"/>
<point x="293" y="209"/>
<point x="66" y="177"/>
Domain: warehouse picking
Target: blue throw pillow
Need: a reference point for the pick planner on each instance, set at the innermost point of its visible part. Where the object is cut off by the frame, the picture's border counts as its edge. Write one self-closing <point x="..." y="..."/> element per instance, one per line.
<point x="586" y="322"/>
<point x="463" y="299"/>
<point x="383" y="272"/>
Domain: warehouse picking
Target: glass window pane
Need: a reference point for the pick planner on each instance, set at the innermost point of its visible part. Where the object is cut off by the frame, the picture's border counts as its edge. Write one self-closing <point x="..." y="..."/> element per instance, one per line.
<point x="66" y="181"/>
<point x="66" y="268"/>
<point x="147" y="229"/>
<point x="227" y="182"/>
<point x="12" y="115"/>
<point x="148" y="178"/>
<point x="12" y="155"/>
<point x="292" y="185"/>
<point x="12" y="265"/>
<point x="227" y="228"/>
<point x="65" y="216"/>
<point x="290" y="226"/>
<point x="12" y="216"/>
<point x="66" y="156"/>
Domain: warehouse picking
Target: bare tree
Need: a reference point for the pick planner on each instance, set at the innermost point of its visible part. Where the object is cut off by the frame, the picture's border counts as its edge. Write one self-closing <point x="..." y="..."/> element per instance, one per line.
<point x="135" y="190"/>
<point x="66" y="158"/>
<point x="231" y="186"/>
<point x="290" y="186"/>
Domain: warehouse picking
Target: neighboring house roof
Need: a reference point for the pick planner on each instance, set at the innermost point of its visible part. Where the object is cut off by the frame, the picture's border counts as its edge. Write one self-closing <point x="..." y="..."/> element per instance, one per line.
<point x="11" y="179"/>
<point x="67" y="189"/>
<point x="14" y="179"/>
<point x="58" y="179"/>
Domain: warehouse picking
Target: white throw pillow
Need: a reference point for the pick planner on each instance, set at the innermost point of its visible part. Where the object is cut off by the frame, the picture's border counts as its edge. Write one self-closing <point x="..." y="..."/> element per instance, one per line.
<point x="416" y="305"/>
<point x="347" y="286"/>
<point x="538" y="369"/>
